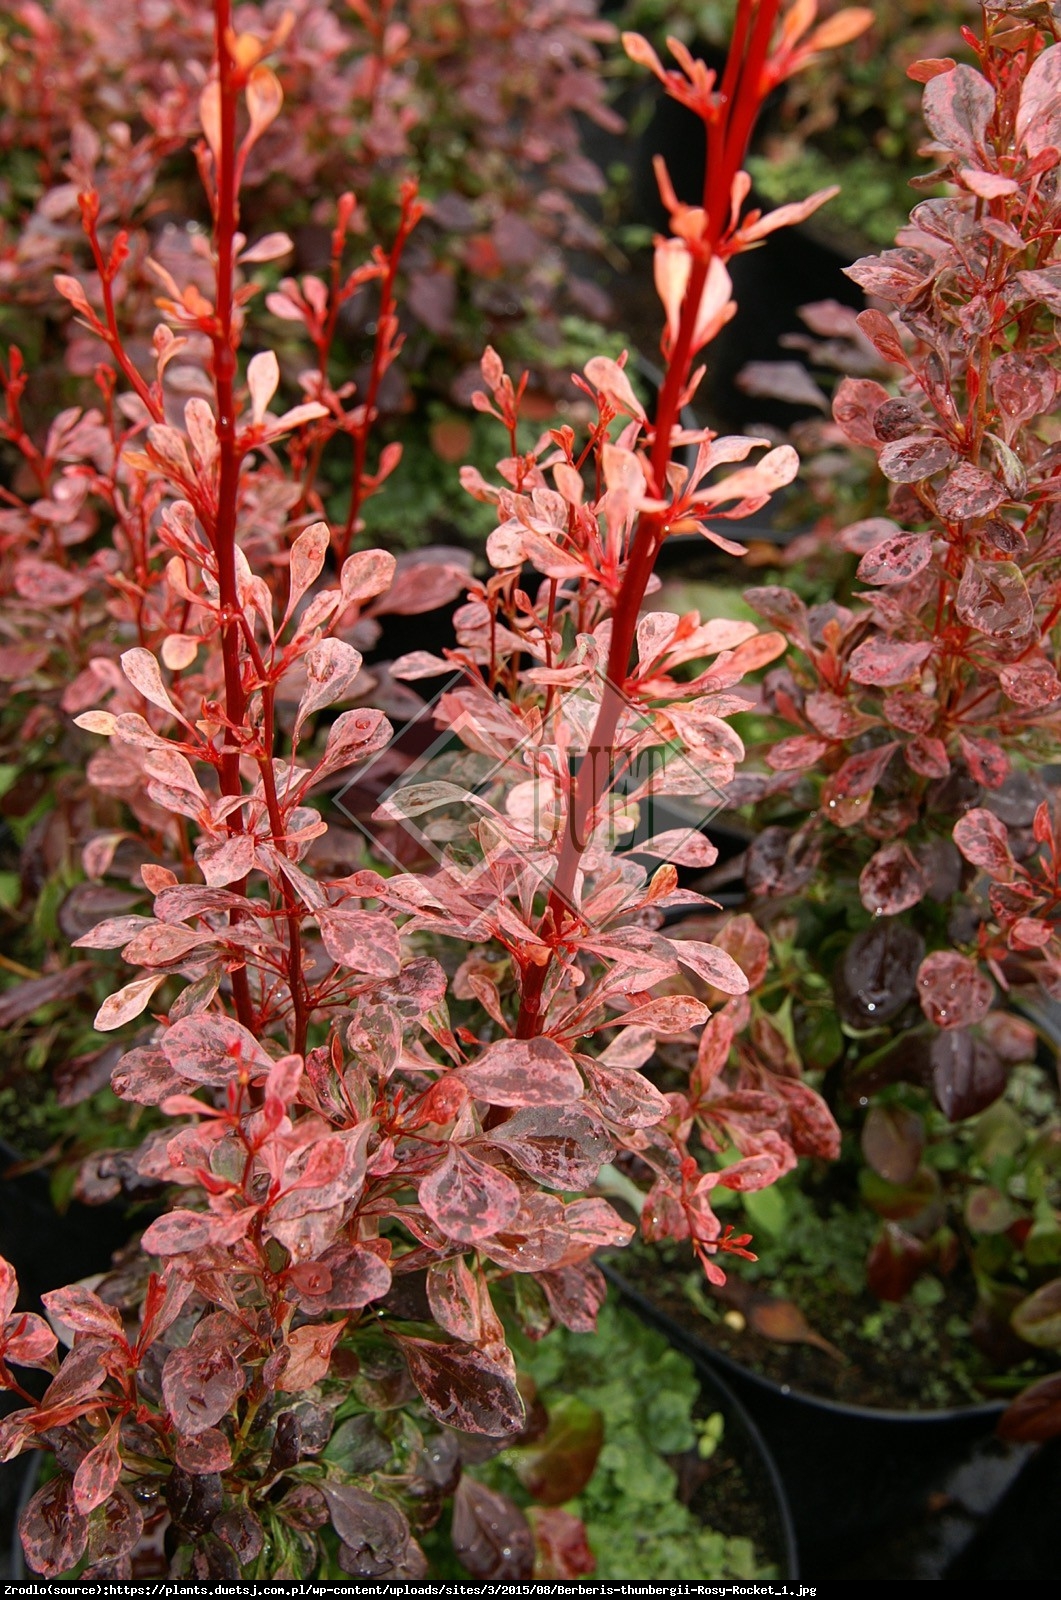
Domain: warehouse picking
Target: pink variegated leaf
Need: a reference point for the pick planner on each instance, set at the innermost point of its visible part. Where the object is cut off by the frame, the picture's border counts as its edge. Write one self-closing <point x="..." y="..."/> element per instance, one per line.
<point x="200" y="1384"/>
<point x="468" y="1199"/>
<point x="886" y="662"/>
<point x="993" y="597"/>
<point x="331" y="668"/>
<point x="453" y="1296"/>
<point x="561" y="1147"/>
<point x="178" y="1233"/>
<point x="363" y="941"/>
<point x="986" y="760"/>
<point x="896" y="560"/>
<point x="968" y="491"/>
<point x="26" y="1340"/>
<point x="860" y="773"/>
<point x="983" y="840"/>
<point x="608" y="377"/>
<point x="213" y="1049"/>
<point x="225" y="860"/>
<point x="716" y="967"/>
<point x="263" y="380"/>
<point x="1031" y="682"/>
<point x="1039" y="115"/>
<point x="142" y="671"/>
<point x="307" y="562"/>
<point x="855" y="404"/>
<point x="670" y="1015"/>
<point x="954" y="992"/>
<point x="911" y="460"/>
<point x="958" y="105"/>
<point x="54" y="1533"/>
<point x="796" y="754"/>
<point x="366" y="574"/>
<point x="97" y="1473"/>
<point x="310" y="1350"/>
<point x="624" y="1098"/>
<point x="127" y="1003"/>
<point x="523" y="1072"/>
<point x="683" y="847"/>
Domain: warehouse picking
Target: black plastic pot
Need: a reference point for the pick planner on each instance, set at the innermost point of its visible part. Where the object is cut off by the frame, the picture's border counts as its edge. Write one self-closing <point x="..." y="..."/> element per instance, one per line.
<point x="850" y="1472"/>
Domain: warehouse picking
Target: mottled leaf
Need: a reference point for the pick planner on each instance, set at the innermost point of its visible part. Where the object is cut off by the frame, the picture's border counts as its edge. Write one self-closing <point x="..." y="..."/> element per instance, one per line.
<point x="954" y="992"/>
<point x="464" y="1388"/>
<point x="468" y="1199"/>
<point x="523" y="1072"/>
<point x="891" y="881"/>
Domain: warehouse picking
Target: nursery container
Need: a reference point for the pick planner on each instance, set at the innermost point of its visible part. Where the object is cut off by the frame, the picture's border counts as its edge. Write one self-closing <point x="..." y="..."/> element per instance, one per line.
<point x="849" y="1472"/>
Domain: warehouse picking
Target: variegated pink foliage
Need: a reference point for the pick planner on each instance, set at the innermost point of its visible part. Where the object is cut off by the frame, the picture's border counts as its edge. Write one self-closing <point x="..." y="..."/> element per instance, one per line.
<point x="372" y="1132"/>
<point x="940" y="678"/>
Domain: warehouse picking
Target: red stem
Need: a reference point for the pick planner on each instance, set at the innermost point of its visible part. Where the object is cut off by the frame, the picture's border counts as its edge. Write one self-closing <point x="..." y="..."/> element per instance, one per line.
<point x="593" y="775"/>
<point x="223" y="339"/>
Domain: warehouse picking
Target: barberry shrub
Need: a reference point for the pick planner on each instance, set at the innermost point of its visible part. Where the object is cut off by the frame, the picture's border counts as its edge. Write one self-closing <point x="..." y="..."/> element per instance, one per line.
<point x="375" y="1136"/>
<point x="901" y="803"/>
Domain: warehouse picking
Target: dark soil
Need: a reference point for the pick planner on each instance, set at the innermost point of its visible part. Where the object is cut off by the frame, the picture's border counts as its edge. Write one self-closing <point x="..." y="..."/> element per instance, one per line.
<point x="897" y="1358"/>
<point x="724" y="1493"/>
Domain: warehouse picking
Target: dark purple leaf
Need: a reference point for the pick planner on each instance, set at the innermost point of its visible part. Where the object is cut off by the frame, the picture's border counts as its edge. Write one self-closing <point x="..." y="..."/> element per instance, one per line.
<point x="895" y="1263"/>
<point x="491" y="1536"/>
<point x="464" y="1388"/>
<point x="562" y="1546"/>
<point x="374" y="1530"/>
<point x="898" y="419"/>
<point x="967" y="1074"/>
<point x="558" y="1466"/>
<point x="878" y="974"/>
<point x="242" y="1532"/>
<point x="116" y="1528"/>
<point x="893" y="1138"/>
<point x="575" y="1295"/>
<point x="1035" y="1415"/>
<point x="193" y="1501"/>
